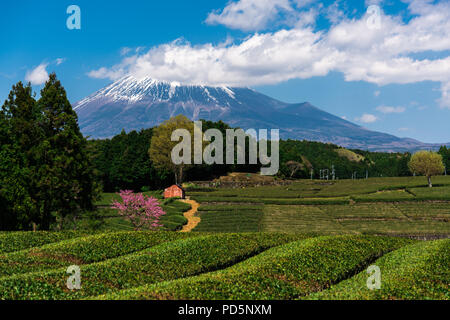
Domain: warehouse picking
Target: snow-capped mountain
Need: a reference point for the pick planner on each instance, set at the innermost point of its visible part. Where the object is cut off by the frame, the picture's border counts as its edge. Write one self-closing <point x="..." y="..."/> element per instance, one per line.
<point x="133" y="104"/>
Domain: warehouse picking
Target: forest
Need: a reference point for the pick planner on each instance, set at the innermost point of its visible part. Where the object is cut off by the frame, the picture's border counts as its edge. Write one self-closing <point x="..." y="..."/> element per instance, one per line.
<point x="123" y="162"/>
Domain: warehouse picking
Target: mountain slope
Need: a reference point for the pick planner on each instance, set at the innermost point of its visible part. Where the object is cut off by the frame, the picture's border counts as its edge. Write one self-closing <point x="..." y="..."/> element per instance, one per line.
<point x="133" y="104"/>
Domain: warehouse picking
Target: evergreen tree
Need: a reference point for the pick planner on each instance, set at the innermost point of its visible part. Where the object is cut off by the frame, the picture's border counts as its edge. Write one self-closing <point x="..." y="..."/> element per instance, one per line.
<point x="65" y="176"/>
<point x="445" y="153"/>
<point x="19" y="133"/>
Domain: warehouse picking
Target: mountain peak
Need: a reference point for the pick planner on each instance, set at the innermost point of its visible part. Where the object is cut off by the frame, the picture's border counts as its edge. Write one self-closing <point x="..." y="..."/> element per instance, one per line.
<point x="130" y="89"/>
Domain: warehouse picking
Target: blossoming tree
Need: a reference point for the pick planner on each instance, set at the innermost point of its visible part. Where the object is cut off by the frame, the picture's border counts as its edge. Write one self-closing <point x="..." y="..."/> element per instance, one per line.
<point x="140" y="210"/>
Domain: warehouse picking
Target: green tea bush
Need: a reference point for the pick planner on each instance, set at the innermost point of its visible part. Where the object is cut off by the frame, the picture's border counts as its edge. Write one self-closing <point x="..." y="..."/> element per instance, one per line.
<point x="174" y="219"/>
<point x="229" y="207"/>
<point x="230" y="221"/>
<point x="82" y="250"/>
<point x="15" y="241"/>
<point x="285" y="272"/>
<point x="417" y="271"/>
<point x="167" y="261"/>
<point x="287" y="201"/>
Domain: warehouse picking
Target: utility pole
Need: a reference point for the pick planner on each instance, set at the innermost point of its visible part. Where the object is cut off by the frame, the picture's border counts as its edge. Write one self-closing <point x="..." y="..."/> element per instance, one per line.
<point x="333" y="172"/>
<point x="312" y="173"/>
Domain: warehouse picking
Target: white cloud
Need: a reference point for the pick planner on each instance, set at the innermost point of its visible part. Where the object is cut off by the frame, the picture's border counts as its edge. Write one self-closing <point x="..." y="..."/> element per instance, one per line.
<point x="367" y="118"/>
<point x="58" y="61"/>
<point x="377" y="93"/>
<point x="380" y="56"/>
<point x="334" y="14"/>
<point x="373" y="2"/>
<point x="249" y="15"/>
<point x="124" y="51"/>
<point x="38" y="75"/>
<point x="403" y="129"/>
<point x="388" y="110"/>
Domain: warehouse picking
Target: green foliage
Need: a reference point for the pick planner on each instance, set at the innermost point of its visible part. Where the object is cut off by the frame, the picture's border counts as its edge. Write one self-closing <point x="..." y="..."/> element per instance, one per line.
<point x="46" y="174"/>
<point x="437" y="193"/>
<point x="109" y="219"/>
<point x="65" y="177"/>
<point x="18" y="133"/>
<point x="427" y="163"/>
<point x="123" y="163"/>
<point x="166" y="261"/>
<point x="287" y="201"/>
<point x="286" y="272"/>
<point x="324" y="155"/>
<point x="230" y="221"/>
<point x="20" y="240"/>
<point x="162" y="145"/>
<point x="417" y="271"/>
<point x="81" y="250"/>
<point x="174" y="219"/>
<point x="385" y="196"/>
<point x="445" y="153"/>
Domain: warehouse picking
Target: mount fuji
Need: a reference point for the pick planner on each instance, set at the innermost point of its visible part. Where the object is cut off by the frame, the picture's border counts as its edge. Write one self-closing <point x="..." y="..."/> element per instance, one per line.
<point x="133" y="104"/>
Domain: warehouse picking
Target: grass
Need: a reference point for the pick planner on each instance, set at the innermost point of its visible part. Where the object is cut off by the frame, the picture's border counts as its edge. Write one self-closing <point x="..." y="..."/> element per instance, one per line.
<point x="419" y="271"/>
<point x="285" y="272"/>
<point x="167" y="261"/>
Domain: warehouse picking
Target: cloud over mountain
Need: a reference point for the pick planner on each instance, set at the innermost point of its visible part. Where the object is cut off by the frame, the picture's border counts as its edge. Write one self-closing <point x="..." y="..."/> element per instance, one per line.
<point x="383" y="55"/>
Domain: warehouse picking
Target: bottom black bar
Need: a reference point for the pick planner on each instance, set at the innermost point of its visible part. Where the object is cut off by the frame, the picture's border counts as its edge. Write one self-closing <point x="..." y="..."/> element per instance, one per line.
<point x="218" y="309"/>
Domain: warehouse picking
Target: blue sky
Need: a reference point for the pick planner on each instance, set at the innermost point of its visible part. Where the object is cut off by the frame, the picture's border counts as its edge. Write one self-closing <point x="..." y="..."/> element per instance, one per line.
<point x="373" y="68"/>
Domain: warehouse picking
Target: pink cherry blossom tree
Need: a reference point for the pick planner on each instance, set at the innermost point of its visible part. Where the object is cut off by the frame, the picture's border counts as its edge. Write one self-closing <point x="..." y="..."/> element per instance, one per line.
<point x="140" y="210"/>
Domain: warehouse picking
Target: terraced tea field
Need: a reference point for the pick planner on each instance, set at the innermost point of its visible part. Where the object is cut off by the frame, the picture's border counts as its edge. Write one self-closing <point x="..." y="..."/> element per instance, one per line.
<point x="305" y="240"/>
<point x="173" y="265"/>
<point x="402" y="206"/>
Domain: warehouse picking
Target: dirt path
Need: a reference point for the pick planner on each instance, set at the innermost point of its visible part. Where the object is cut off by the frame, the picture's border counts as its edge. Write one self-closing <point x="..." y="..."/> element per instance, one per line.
<point x="193" y="221"/>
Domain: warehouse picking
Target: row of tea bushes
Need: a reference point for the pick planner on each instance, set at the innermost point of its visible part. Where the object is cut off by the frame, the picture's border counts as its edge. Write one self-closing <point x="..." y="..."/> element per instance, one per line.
<point x="419" y="271"/>
<point x="82" y="250"/>
<point x="285" y="272"/>
<point x="167" y="261"/>
<point x="19" y="240"/>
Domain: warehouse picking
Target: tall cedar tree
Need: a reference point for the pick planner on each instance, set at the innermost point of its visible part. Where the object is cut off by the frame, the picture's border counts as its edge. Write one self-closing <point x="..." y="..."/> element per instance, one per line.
<point x="65" y="173"/>
<point x="19" y="135"/>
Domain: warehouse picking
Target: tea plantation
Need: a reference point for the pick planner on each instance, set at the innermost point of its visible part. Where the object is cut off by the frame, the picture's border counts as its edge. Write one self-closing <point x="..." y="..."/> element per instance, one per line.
<point x="169" y="265"/>
<point x="306" y="240"/>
